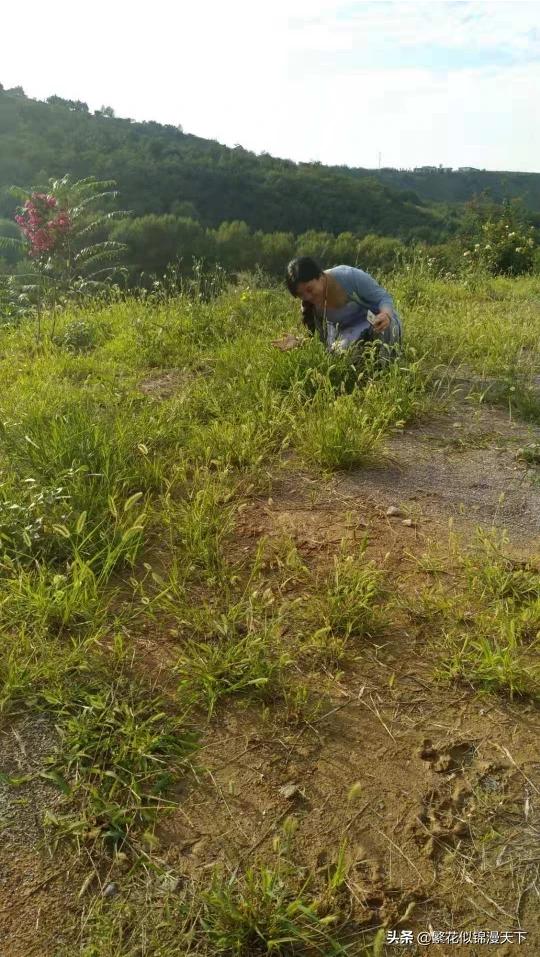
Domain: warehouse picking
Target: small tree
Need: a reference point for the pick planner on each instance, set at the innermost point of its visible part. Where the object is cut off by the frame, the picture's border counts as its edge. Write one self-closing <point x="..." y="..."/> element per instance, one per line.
<point x="59" y="231"/>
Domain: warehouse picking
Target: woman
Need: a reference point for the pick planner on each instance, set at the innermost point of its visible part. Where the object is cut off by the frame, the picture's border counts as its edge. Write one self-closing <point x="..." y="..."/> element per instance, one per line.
<point x="344" y="305"/>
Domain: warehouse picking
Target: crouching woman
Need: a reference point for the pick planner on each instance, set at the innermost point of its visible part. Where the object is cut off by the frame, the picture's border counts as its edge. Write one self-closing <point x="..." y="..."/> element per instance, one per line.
<point x="345" y="306"/>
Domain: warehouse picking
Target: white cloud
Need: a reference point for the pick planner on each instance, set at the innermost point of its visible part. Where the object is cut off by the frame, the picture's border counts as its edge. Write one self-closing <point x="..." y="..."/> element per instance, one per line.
<point x="488" y="26"/>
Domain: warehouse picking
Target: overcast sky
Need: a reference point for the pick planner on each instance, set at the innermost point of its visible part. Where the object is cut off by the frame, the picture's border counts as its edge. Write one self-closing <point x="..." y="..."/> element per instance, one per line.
<point x="420" y="83"/>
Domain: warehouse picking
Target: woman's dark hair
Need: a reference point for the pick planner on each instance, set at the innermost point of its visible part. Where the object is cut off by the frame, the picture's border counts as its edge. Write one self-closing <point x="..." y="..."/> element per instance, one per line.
<point x="303" y="269"/>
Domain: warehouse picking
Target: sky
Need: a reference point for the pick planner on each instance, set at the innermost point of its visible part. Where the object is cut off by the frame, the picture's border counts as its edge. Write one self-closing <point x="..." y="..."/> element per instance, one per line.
<point x="399" y="84"/>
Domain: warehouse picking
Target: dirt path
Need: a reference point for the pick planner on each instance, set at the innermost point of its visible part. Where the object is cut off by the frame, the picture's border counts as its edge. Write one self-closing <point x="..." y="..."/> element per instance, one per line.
<point x="464" y="465"/>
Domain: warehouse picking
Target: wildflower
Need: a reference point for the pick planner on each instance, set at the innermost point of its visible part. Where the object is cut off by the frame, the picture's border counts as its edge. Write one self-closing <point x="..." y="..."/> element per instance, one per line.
<point x="488" y="246"/>
<point x="466" y="253"/>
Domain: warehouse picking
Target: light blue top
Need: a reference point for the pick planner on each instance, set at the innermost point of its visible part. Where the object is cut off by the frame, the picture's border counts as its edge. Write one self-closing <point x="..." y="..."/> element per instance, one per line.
<point x="348" y="323"/>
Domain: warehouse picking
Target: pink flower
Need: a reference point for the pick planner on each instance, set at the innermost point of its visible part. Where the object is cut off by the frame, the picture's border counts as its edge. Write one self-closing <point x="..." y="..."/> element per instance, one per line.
<point x="42" y="232"/>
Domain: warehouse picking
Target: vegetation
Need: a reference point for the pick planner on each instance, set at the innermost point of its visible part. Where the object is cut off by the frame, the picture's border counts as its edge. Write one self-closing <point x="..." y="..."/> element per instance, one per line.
<point x="204" y="202"/>
<point x="120" y="518"/>
<point x="58" y="230"/>
<point x="187" y="176"/>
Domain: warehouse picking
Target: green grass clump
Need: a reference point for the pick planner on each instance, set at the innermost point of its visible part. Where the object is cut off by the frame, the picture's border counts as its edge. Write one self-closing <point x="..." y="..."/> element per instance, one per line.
<point x="37" y="670"/>
<point x="120" y="749"/>
<point x="233" y="649"/>
<point x="485" y="623"/>
<point x="261" y="914"/>
<point x="336" y="432"/>
<point x="346" y="602"/>
<point x="260" y="911"/>
<point x="211" y="671"/>
<point x="497" y="577"/>
<point x="494" y="657"/>
<point x="198" y="524"/>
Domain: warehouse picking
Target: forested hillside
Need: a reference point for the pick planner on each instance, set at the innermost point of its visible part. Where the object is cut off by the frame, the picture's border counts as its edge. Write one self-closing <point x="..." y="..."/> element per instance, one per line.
<point x="160" y="169"/>
<point x="443" y="185"/>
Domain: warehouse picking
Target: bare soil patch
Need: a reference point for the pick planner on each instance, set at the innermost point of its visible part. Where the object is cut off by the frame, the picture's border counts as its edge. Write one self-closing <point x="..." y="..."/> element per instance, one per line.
<point x="463" y="465"/>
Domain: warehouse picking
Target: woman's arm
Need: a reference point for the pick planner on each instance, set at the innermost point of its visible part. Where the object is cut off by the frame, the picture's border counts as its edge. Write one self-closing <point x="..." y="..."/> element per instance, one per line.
<point x="376" y="298"/>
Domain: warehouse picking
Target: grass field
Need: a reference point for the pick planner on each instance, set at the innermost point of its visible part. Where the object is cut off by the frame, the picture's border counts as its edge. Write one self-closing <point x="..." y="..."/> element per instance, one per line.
<point x="193" y="601"/>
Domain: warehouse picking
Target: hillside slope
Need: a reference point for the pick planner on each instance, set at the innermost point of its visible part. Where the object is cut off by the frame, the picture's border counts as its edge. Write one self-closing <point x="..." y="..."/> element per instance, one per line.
<point x="160" y="169"/>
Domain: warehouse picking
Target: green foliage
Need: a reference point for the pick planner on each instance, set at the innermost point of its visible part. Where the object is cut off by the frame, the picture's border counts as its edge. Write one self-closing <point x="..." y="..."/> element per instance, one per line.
<point x="210" y="671"/>
<point x="66" y="261"/>
<point x="195" y="199"/>
<point x="261" y="914"/>
<point x="488" y="625"/>
<point x="348" y="601"/>
<point x="505" y="247"/>
<point x="119" y="752"/>
<point x="140" y="446"/>
<point x="153" y="242"/>
<point x="159" y="166"/>
<point x="336" y="432"/>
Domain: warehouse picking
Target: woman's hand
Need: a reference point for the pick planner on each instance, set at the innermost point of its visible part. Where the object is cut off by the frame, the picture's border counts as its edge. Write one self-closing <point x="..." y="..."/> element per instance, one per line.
<point x="382" y="321"/>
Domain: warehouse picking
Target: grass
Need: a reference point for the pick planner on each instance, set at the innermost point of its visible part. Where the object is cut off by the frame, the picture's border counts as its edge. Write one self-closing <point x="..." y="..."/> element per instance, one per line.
<point x="261" y="911"/>
<point x="211" y="671"/>
<point x="119" y="752"/>
<point x="342" y="608"/>
<point x="485" y="621"/>
<point x="261" y="914"/>
<point x="119" y="514"/>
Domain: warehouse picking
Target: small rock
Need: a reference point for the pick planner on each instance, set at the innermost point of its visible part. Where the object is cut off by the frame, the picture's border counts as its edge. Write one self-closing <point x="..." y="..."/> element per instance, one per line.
<point x="110" y="890"/>
<point x="408" y="522"/>
<point x="394" y="512"/>
<point x="490" y="783"/>
<point x="289" y="790"/>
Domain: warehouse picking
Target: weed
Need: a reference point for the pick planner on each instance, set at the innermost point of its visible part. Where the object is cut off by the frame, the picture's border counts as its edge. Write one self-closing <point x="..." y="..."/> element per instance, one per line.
<point x="210" y="671"/>
<point x="345" y="601"/>
<point x="199" y="525"/>
<point x="493" y="658"/>
<point x="120" y="751"/>
<point x="261" y="914"/>
<point x="336" y="432"/>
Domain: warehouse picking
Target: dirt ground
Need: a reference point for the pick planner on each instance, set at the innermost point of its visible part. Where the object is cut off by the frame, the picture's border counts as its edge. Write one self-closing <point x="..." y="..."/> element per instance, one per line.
<point x="444" y="833"/>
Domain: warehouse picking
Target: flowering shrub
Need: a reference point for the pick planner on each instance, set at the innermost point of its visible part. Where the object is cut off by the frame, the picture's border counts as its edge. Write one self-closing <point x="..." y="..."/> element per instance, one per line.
<point x="43" y="224"/>
<point x="504" y="248"/>
<point x="58" y="229"/>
